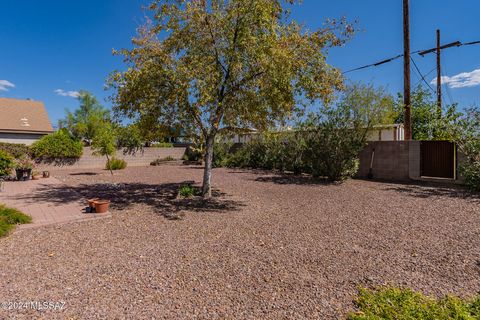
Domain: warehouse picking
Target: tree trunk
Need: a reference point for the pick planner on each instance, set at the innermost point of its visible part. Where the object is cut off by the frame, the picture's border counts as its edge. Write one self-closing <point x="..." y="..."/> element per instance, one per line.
<point x="109" y="165"/>
<point x="207" y="172"/>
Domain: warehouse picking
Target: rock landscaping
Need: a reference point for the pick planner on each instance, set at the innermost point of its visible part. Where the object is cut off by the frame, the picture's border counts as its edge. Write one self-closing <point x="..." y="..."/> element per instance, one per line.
<point x="268" y="246"/>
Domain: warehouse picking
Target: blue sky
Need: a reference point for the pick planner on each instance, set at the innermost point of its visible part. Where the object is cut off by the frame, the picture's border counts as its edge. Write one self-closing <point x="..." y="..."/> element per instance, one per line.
<point x="53" y="48"/>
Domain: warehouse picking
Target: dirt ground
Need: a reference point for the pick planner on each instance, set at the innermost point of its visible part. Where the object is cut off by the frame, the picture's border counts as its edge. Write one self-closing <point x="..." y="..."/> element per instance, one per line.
<point x="268" y="246"/>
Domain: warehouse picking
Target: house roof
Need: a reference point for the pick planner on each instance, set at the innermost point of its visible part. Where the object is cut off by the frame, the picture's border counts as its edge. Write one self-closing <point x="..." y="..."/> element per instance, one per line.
<point x="23" y="116"/>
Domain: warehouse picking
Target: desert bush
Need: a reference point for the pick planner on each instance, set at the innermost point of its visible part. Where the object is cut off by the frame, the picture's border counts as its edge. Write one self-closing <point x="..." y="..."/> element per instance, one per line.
<point x="6" y="163"/>
<point x="334" y="139"/>
<point x="115" y="164"/>
<point x="471" y="174"/>
<point x="193" y="153"/>
<point x="403" y="304"/>
<point x="10" y="217"/>
<point x="187" y="191"/>
<point x="467" y="137"/>
<point x="221" y="154"/>
<point x="326" y="145"/>
<point x="16" y="150"/>
<point x="58" y="147"/>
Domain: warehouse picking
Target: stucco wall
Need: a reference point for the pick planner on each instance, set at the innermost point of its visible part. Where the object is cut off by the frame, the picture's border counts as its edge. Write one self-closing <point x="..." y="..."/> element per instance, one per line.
<point x="23" y="138"/>
<point x="88" y="160"/>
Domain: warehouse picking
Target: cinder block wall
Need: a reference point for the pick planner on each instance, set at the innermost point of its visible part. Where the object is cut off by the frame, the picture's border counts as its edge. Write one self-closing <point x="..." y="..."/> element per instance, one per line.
<point x="88" y="160"/>
<point x="392" y="160"/>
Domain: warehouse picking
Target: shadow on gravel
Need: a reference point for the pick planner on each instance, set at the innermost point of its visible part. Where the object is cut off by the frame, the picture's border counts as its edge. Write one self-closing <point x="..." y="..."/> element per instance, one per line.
<point x="84" y="174"/>
<point x="429" y="190"/>
<point x="161" y="198"/>
<point x="296" y="180"/>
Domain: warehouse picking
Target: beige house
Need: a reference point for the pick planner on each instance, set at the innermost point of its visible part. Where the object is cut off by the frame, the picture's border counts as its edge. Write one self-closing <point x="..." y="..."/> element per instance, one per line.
<point x="23" y="121"/>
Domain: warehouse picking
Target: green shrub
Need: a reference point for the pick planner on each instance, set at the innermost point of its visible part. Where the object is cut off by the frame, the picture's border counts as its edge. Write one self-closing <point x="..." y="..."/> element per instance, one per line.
<point x="115" y="164"/>
<point x="188" y="191"/>
<point x="16" y="150"/>
<point x="5" y="227"/>
<point x="193" y="154"/>
<point x="162" y="145"/>
<point x="470" y="171"/>
<point x="14" y="216"/>
<point x="326" y="145"/>
<point x="221" y="153"/>
<point x="57" y="147"/>
<point x="466" y="134"/>
<point x="10" y="217"/>
<point x="6" y="163"/>
<point x="403" y="304"/>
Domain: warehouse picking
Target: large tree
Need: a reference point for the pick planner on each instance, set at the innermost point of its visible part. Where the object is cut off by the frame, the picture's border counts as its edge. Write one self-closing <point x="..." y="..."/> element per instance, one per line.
<point x="85" y="122"/>
<point x="426" y="125"/>
<point x="372" y="105"/>
<point x="224" y="65"/>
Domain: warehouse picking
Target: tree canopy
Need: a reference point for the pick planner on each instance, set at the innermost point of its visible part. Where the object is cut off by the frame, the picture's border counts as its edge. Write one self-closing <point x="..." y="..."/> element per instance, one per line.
<point x="87" y="120"/>
<point x="224" y="65"/>
<point x="426" y="123"/>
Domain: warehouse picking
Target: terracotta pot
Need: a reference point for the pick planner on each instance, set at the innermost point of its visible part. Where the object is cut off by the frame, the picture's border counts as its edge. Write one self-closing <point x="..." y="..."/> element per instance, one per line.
<point x="91" y="202"/>
<point x="36" y="177"/>
<point x="101" y="206"/>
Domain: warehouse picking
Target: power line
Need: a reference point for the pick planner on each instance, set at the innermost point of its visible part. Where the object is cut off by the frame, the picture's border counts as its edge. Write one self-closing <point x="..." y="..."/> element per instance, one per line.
<point x="425" y="76"/>
<point x="421" y="52"/>
<point x="422" y="77"/>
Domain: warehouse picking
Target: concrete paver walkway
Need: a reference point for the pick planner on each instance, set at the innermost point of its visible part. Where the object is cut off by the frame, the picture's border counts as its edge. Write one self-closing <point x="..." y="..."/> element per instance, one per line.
<point x="47" y="201"/>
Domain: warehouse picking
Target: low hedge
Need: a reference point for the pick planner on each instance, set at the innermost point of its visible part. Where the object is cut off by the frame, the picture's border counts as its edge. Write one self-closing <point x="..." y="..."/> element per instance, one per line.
<point x="16" y="150"/>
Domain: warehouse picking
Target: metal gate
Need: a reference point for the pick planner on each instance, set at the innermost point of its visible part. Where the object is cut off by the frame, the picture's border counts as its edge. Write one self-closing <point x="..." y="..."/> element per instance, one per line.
<point x="437" y="159"/>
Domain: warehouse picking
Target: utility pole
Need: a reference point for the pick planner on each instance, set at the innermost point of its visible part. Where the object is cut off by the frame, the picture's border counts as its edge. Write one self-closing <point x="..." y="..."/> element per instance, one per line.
<point x="406" y="71"/>
<point x="439" y="78"/>
<point x="438" y="49"/>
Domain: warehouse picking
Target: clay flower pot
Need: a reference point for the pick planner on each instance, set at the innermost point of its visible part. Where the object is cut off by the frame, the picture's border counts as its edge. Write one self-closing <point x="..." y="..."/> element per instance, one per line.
<point x="36" y="177"/>
<point x="91" y="202"/>
<point x="101" y="206"/>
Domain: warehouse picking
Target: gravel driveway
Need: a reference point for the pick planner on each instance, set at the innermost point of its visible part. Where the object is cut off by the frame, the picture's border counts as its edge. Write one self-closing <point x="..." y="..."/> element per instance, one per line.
<point x="269" y="247"/>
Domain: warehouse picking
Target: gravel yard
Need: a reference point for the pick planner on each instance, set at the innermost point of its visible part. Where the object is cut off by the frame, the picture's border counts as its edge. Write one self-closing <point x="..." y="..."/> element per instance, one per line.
<point x="269" y="247"/>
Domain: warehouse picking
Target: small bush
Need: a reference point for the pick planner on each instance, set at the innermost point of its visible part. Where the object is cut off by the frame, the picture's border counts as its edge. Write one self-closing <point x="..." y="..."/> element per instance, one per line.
<point x="14" y="216"/>
<point x="193" y="154"/>
<point x="57" y="147"/>
<point x="221" y="154"/>
<point x="162" y="145"/>
<point x="158" y="162"/>
<point x="471" y="174"/>
<point x="5" y="227"/>
<point x="16" y="150"/>
<point x="116" y="164"/>
<point x="10" y="217"/>
<point x="403" y="304"/>
<point x="6" y="163"/>
<point x="187" y="191"/>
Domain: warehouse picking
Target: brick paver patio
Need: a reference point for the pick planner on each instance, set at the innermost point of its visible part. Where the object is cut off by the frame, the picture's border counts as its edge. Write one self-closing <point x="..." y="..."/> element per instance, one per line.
<point x="62" y="205"/>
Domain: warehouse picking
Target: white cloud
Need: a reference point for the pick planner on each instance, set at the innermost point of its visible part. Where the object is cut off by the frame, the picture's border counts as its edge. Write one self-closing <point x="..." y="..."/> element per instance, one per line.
<point x="461" y="80"/>
<point x="63" y="93"/>
<point x="5" y="85"/>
